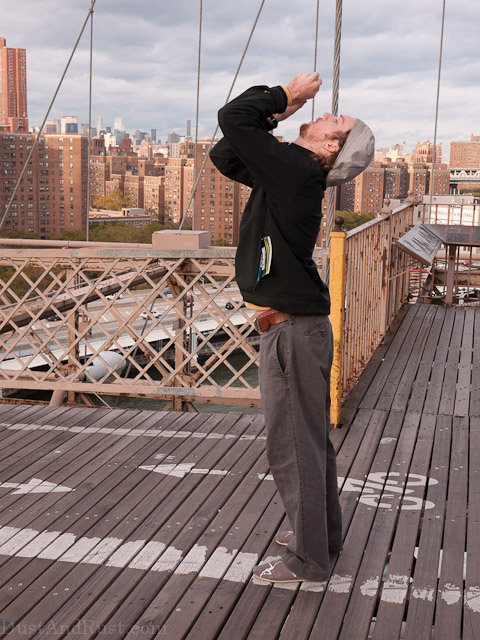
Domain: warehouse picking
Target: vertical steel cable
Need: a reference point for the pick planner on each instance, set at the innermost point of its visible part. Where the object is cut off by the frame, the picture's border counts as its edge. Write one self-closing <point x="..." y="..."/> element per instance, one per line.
<point x="227" y="99"/>
<point x="335" y="88"/>
<point x="434" y="156"/>
<point x="197" y="111"/>
<point x="37" y="139"/>
<point x="89" y="122"/>
<point x="315" y="54"/>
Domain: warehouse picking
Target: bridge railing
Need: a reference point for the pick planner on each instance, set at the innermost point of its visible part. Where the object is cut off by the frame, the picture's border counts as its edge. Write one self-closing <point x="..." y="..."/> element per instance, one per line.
<point x="173" y="319"/>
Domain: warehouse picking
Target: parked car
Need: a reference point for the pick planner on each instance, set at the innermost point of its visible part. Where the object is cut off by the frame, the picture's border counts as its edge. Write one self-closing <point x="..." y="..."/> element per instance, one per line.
<point x="54" y="318"/>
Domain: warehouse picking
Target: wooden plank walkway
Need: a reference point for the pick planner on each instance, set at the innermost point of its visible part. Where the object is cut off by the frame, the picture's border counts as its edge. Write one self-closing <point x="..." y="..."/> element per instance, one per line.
<point x="140" y="524"/>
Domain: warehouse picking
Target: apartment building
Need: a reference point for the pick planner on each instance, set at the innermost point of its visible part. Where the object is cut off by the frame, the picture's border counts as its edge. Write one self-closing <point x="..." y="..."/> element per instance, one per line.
<point x="13" y="89"/>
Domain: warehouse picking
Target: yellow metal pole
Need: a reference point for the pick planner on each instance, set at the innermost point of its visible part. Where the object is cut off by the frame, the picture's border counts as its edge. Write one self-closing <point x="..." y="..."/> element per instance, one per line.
<point x="337" y="315"/>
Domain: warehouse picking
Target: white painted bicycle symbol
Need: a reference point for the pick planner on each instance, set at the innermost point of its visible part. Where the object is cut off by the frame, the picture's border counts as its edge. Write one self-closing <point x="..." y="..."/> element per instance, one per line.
<point x="380" y="489"/>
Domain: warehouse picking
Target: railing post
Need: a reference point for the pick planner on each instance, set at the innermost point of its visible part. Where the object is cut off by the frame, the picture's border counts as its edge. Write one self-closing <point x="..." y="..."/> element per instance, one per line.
<point x="387" y="253"/>
<point x="337" y="314"/>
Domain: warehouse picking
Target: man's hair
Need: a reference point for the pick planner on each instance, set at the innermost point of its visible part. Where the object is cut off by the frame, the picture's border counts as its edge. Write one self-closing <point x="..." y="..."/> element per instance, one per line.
<point x="327" y="162"/>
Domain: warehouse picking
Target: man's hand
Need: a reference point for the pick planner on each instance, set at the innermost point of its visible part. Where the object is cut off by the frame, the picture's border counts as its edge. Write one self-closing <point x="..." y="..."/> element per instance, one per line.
<point x="304" y="86"/>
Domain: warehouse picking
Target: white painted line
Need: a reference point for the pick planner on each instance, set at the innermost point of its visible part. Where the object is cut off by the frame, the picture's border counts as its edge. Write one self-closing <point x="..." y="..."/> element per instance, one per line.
<point x="340" y="584"/>
<point x="472" y="599"/>
<point x="395" y="589"/>
<point x="218" y="563"/>
<point x="18" y="541"/>
<point x="451" y="594"/>
<point x="193" y="561"/>
<point x="125" y="553"/>
<point x="58" y="547"/>
<point x="80" y="549"/>
<point x="241" y="568"/>
<point x="148" y="555"/>
<point x="370" y="587"/>
<point x="423" y="594"/>
<point x="38" y="544"/>
<point x="7" y="532"/>
<point x="102" y="551"/>
<point x="134" y="433"/>
<point x="169" y="559"/>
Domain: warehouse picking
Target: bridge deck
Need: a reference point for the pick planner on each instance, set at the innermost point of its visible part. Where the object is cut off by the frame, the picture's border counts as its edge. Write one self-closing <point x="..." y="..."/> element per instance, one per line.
<point x="143" y="524"/>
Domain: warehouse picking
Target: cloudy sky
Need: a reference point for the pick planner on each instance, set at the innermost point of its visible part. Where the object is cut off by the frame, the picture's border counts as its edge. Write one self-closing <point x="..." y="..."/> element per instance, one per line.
<point x="146" y="55"/>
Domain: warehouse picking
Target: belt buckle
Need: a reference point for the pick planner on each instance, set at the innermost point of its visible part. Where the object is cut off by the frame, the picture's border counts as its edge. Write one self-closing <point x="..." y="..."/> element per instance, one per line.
<point x="257" y="326"/>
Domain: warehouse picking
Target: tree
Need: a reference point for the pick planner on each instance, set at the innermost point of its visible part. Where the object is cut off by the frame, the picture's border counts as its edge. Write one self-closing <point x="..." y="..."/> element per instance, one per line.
<point x="221" y="242"/>
<point x="353" y="219"/>
<point x="116" y="201"/>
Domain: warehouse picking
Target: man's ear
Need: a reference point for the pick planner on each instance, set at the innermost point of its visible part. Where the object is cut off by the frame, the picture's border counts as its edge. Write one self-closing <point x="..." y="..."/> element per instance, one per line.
<point x="332" y="146"/>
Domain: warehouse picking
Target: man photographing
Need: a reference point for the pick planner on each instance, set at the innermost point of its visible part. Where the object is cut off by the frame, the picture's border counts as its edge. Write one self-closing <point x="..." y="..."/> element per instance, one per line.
<point x="278" y="277"/>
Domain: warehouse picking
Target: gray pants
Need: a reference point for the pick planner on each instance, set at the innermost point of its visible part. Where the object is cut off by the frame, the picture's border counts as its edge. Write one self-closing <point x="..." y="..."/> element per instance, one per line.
<point x="295" y="362"/>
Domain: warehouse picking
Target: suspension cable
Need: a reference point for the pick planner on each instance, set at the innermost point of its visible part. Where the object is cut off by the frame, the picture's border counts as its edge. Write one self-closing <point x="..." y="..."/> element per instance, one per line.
<point x="197" y="110"/>
<point x="335" y="90"/>
<point x="315" y="55"/>
<point x="197" y="180"/>
<point x="89" y="121"/>
<point x="37" y="139"/>
<point x="434" y="155"/>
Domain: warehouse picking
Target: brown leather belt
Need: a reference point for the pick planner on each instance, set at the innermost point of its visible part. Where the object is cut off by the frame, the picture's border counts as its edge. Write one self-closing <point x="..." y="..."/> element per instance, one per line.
<point x="267" y="319"/>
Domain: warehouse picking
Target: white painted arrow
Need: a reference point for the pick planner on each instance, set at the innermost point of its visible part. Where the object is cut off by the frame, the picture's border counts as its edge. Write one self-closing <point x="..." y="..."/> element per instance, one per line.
<point x="180" y="470"/>
<point x="35" y="485"/>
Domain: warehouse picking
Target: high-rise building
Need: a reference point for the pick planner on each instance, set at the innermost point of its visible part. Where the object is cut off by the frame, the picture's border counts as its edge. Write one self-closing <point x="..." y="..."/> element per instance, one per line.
<point x="52" y="196"/>
<point x="13" y="89"/>
<point x="99" y="124"/>
<point x="423" y="153"/>
<point x="465" y="155"/>
<point x="68" y="124"/>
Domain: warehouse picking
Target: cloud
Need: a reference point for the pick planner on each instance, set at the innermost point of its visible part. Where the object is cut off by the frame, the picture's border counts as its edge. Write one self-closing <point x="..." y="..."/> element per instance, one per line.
<point x="146" y="56"/>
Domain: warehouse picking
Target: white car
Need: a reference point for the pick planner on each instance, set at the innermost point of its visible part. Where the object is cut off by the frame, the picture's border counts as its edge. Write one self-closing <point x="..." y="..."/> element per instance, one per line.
<point x="146" y="315"/>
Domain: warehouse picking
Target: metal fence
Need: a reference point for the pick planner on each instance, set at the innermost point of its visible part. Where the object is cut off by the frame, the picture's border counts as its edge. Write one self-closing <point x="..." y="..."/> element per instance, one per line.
<point x="173" y="320"/>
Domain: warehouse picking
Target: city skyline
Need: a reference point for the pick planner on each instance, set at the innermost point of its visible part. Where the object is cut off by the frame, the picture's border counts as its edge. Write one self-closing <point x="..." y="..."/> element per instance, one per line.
<point x="145" y="65"/>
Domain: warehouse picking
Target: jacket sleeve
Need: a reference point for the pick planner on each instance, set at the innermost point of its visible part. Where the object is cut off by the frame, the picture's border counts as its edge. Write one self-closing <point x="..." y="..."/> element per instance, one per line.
<point x="272" y="164"/>
<point x="228" y="163"/>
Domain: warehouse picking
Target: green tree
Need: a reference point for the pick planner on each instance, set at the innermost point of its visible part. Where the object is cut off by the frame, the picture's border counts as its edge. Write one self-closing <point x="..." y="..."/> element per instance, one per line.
<point x="221" y="242"/>
<point x="116" y="201"/>
<point x="353" y="219"/>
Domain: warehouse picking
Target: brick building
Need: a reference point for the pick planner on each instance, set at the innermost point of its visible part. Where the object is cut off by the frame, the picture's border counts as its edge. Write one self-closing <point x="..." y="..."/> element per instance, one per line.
<point x="13" y="89"/>
<point x="465" y="155"/>
<point x="53" y="194"/>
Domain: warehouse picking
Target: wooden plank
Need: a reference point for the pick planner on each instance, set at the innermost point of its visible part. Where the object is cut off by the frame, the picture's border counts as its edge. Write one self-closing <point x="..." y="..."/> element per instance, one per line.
<point x="407" y="381"/>
<point x="178" y="520"/>
<point x="356" y="394"/>
<point x="471" y="608"/>
<point x="179" y="595"/>
<point x="421" y="604"/>
<point x="376" y="388"/>
<point x="449" y="388"/>
<point x="462" y="397"/>
<point x="393" y="600"/>
<point x="420" y="388"/>
<point x="475" y="387"/>
<point x="449" y="609"/>
<point x="234" y="607"/>
<point x="401" y="360"/>
<point x="358" y="518"/>
<point x="435" y="388"/>
<point x="372" y="530"/>
<point x="34" y="570"/>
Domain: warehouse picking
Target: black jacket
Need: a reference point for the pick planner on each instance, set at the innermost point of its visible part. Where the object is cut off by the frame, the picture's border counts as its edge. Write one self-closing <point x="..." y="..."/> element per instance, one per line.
<point x="285" y="204"/>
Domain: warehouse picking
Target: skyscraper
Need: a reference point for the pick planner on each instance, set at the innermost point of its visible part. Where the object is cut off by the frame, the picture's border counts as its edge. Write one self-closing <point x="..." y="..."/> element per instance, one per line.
<point x="13" y="89"/>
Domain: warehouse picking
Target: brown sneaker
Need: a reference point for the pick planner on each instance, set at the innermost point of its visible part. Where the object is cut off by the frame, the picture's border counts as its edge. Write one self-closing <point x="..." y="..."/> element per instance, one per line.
<point x="276" y="571"/>
<point x="283" y="537"/>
